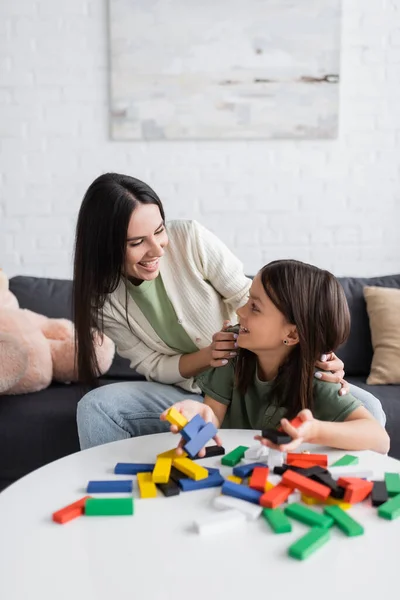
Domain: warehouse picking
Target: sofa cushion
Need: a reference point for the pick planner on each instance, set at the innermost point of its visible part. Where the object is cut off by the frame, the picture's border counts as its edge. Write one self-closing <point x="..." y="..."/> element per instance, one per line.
<point x="383" y="307"/>
<point x="357" y="352"/>
<point x="53" y="298"/>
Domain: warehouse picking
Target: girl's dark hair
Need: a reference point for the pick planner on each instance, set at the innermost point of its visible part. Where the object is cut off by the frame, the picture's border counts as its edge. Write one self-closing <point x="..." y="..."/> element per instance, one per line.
<point x="99" y="258"/>
<point x="314" y="301"/>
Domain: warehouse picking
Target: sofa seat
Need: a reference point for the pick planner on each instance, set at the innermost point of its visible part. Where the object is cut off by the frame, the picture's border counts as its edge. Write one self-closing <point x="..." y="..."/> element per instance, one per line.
<point x="389" y="395"/>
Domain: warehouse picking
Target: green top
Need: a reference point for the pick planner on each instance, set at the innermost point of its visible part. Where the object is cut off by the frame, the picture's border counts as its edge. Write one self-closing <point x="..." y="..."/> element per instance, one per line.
<point x="255" y="410"/>
<point x="152" y="299"/>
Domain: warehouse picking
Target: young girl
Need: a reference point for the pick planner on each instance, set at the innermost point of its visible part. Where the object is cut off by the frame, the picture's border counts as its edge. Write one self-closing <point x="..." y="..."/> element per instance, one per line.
<point x="293" y="313"/>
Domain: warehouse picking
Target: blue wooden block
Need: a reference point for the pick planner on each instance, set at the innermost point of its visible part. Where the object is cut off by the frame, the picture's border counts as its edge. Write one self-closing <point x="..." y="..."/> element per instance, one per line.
<point x="192" y="428"/>
<point x="246" y="470"/>
<point x="109" y="487"/>
<point x="215" y="479"/>
<point x="243" y="492"/>
<point x="197" y="443"/>
<point x="133" y="468"/>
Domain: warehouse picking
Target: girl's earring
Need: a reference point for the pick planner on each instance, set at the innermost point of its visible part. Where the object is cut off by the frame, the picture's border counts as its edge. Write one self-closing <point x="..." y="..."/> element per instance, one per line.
<point x="285" y="341"/>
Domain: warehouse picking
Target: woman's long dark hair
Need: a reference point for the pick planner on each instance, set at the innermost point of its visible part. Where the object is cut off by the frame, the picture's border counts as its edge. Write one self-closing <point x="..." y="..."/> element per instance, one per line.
<point x="99" y="258"/>
<point x="314" y="301"/>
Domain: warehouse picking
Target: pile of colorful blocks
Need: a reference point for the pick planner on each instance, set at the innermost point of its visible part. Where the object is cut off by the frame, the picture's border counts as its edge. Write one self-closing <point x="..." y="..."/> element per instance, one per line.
<point x="248" y="494"/>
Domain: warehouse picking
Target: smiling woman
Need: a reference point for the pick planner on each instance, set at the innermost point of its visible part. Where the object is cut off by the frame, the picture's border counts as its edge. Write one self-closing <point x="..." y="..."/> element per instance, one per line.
<point x="161" y="291"/>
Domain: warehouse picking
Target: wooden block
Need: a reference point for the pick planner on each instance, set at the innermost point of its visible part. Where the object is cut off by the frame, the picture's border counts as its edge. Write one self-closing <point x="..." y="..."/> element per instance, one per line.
<point x="390" y="509"/>
<point x="176" y="418"/>
<point x="276" y="496"/>
<point x="234" y="479"/>
<point x="72" y="511"/>
<point x="259" y="478"/>
<point x="171" y="454"/>
<point x="346" y="523"/>
<point x="309" y="543"/>
<point x="345" y="461"/>
<point x="232" y="458"/>
<point x="311" y="459"/>
<point x="308" y="516"/>
<point x="147" y="487"/>
<point x="392" y="481"/>
<point x="305" y="485"/>
<point x="107" y="507"/>
<point x="277" y="520"/>
<point x="190" y="468"/>
<point x="162" y="470"/>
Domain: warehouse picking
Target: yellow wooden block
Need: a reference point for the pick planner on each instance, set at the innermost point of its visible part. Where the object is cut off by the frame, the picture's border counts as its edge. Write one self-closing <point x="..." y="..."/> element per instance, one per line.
<point x="234" y="479"/>
<point x="268" y="486"/>
<point x="161" y="470"/>
<point x="337" y="502"/>
<point x="176" y="418"/>
<point x="310" y="499"/>
<point x="171" y="454"/>
<point x="147" y="487"/>
<point x="191" y="469"/>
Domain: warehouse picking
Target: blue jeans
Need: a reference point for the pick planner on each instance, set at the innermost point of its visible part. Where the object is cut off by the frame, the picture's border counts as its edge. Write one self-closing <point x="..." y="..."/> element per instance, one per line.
<point x="129" y="409"/>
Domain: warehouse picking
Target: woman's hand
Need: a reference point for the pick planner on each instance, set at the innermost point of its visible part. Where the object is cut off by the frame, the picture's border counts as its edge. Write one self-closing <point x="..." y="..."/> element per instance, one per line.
<point x="189" y="409"/>
<point x="303" y="433"/>
<point x="223" y="347"/>
<point x="332" y="370"/>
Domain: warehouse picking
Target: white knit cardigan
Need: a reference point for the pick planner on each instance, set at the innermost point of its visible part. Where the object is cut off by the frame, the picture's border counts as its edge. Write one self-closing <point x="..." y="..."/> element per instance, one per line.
<point x="205" y="283"/>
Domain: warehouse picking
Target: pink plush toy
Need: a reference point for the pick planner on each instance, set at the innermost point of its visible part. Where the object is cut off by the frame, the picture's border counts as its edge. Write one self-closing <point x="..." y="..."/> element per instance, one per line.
<point x="34" y="349"/>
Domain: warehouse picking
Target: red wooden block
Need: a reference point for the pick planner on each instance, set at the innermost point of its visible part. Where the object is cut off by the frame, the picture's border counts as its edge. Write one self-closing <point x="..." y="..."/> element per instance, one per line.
<point x="296" y="422"/>
<point x="305" y="485"/>
<point x="259" y="478"/>
<point x="276" y="496"/>
<point x="303" y="464"/>
<point x="72" y="511"/>
<point x="312" y="459"/>
<point x="356" y="490"/>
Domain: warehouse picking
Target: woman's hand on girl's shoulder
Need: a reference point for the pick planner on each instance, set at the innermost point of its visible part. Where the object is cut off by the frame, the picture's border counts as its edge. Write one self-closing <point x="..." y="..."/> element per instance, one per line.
<point x="300" y="435"/>
<point x="331" y="369"/>
<point x="223" y="347"/>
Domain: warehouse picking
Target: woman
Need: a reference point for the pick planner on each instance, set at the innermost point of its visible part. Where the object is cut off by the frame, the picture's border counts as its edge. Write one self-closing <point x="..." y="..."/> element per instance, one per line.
<point x="161" y="294"/>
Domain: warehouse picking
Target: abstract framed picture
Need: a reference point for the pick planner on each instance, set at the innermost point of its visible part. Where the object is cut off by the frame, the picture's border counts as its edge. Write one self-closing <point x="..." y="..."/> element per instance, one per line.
<point x="224" y="69"/>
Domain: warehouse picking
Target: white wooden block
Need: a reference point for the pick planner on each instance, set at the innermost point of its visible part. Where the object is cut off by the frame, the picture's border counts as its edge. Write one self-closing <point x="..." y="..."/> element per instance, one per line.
<point x="220" y="521"/>
<point x="275" y="458"/>
<point x="350" y="471"/>
<point x="257" y="453"/>
<point x="295" y="497"/>
<point x="252" y="511"/>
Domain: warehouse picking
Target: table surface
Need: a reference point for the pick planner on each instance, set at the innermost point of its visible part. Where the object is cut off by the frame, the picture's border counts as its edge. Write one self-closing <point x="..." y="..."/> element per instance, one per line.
<point x="156" y="554"/>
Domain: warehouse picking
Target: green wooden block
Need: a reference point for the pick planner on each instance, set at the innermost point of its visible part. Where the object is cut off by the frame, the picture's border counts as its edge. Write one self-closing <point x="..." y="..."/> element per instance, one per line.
<point x="106" y="507"/>
<point x="277" y="520"/>
<point x="346" y="460"/>
<point x="390" y="509"/>
<point x="233" y="458"/>
<point x="309" y="517"/>
<point x="309" y="543"/>
<point x="343" y="520"/>
<point x="392" y="481"/>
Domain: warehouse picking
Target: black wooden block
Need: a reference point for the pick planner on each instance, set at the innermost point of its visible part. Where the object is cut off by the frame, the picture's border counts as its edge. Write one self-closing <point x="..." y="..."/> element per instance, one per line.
<point x="379" y="493"/>
<point x="170" y="488"/>
<point x="212" y="451"/>
<point x="276" y="437"/>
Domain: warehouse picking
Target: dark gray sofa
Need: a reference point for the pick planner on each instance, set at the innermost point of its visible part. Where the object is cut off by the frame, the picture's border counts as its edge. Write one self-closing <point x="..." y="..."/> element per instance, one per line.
<point x="38" y="428"/>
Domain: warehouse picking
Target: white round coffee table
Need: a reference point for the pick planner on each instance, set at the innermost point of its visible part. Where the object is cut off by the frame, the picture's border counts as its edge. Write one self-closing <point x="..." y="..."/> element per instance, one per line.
<point x="156" y="555"/>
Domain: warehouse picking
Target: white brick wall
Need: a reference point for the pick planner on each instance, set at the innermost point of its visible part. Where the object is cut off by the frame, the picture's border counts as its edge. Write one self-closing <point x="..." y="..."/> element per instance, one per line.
<point x="333" y="203"/>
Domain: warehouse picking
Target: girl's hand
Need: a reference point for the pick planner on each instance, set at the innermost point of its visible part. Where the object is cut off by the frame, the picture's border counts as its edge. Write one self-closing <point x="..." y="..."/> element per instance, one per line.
<point x="299" y="435"/>
<point x="190" y="408"/>
<point x="223" y="347"/>
<point x="332" y="370"/>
